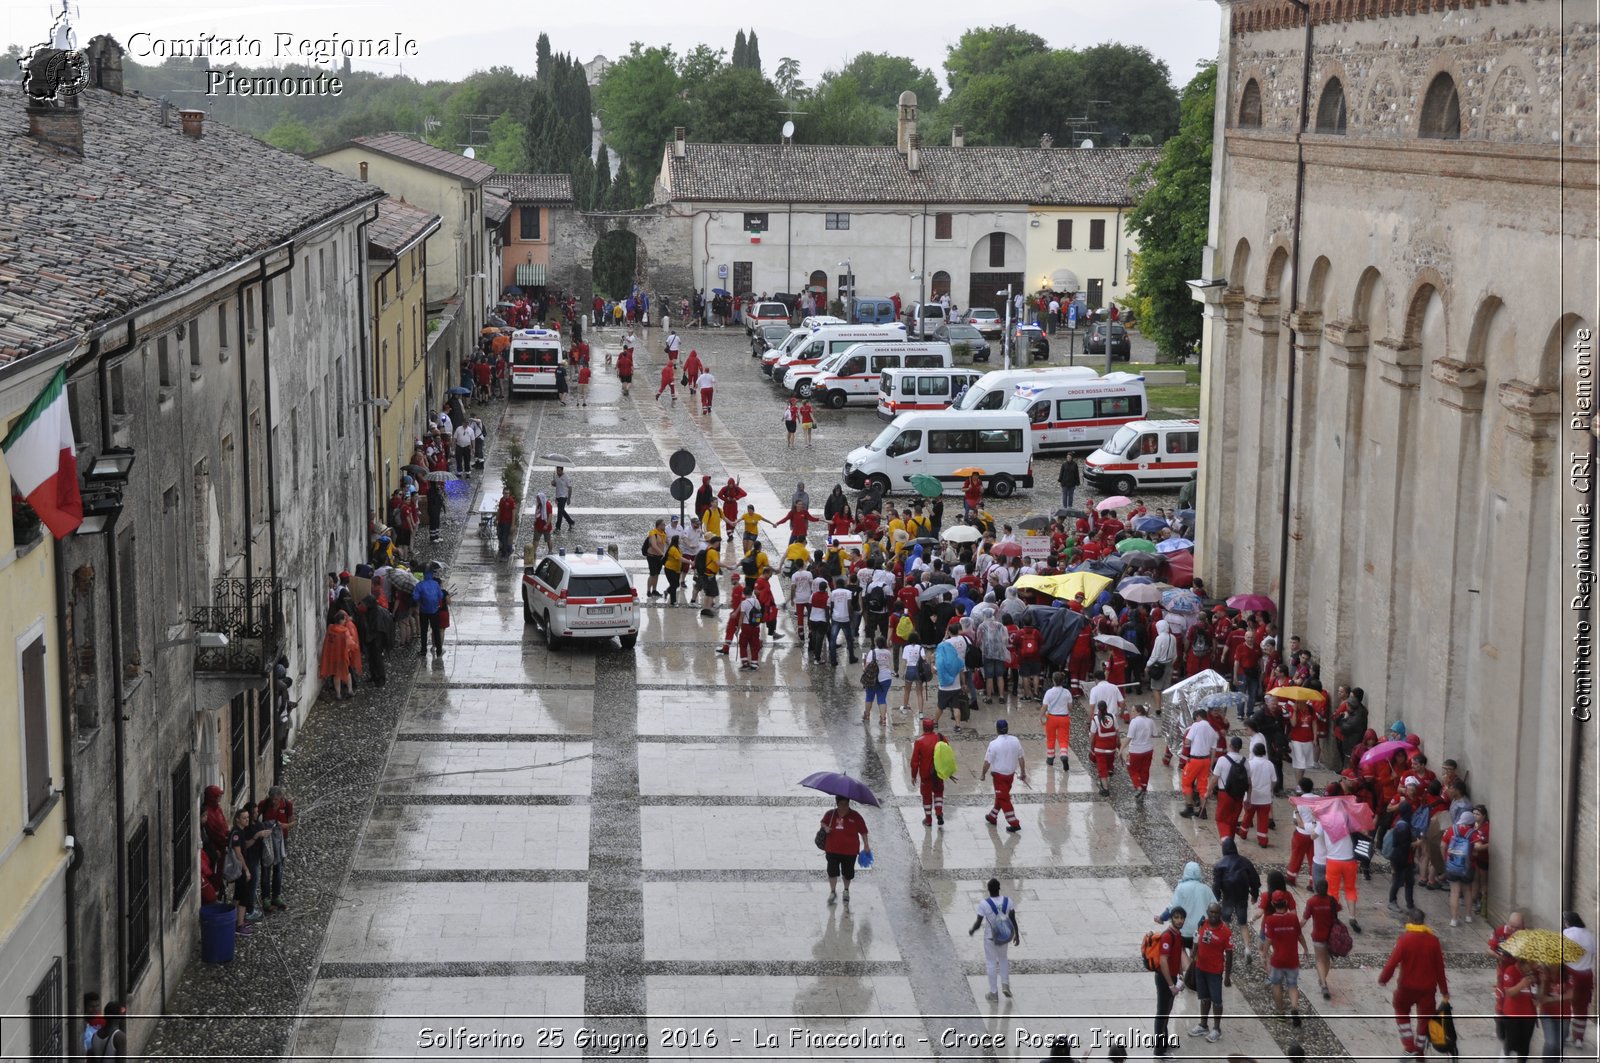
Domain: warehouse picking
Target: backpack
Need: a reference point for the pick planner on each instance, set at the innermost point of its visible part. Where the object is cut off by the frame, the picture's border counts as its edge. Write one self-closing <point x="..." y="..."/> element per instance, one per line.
<point x="644" y="548"/>
<point x="1150" y="950"/>
<point x="1237" y="784"/>
<point x="1001" y="928"/>
<point x="1028" y="644"/>
<point x="944" y="759"/>
<point x="904" y="629"/>
<point x="974" y="656"/>
<point x="875" y="598"/>
<point x="700" y="560"/>
<point x="869" y="670"/>
<point x="1387" y="848"/>
<point x="232" y="869"/>
<point x="1458" y="858"/>
<point x="924" y="668"/>
<point x="1201" y="646"/>
<point x="1339" y="940"/>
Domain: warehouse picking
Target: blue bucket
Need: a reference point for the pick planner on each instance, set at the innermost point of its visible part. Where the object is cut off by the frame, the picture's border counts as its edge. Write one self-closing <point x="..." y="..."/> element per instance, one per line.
<point x="217" y="932"/>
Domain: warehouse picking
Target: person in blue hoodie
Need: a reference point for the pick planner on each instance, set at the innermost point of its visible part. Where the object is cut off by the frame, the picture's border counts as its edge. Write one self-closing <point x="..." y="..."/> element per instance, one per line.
<point x="430" y="598"/>
<point x="1192" y="895"/>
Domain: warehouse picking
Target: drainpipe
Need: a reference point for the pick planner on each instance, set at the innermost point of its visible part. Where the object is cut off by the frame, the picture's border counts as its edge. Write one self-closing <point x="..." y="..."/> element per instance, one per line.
<point x="788" y="261"/>
<point x="1116" y="251"/>
<point x="1294" y="306"/>
<point x="368" y="330"/>
<point x="922" y="271"/>
<point x="69" y="812"/>
<point x="248" y="497"/>
<point x="119" y="788"/>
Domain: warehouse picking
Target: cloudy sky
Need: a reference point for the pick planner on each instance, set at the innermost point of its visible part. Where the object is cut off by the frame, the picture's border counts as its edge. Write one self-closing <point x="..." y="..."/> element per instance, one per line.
<point x="456" y="38"/>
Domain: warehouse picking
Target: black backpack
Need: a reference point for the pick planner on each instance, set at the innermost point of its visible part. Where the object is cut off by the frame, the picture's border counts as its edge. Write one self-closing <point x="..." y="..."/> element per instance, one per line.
<point x="876" y="599"/>
<point x="1237" y="784"/>
<point x="700" y="562"/>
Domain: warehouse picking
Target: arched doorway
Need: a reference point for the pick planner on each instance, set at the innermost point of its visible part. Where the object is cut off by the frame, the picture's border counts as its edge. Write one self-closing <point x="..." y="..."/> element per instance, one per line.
<point x="817" y="285"/>
<point x="616" y="263"/>
<point x="938" y="285"/>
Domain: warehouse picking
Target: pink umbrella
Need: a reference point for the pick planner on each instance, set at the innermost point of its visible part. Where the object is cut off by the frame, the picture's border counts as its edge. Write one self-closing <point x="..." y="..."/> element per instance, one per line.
<point x="1383" y="751"/>
<point x="1251" y="603"/>
<point x="1114" y="502"/>
<point x="1007" y="550"/>
<point x="1338" y="815"/>
<point x="1180" y="568"/>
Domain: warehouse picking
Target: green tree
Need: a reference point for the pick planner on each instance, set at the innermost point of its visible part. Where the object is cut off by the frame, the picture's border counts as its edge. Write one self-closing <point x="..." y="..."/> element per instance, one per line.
<point x="640" y="103"/>
<point x="621" y="196"/>
<point x="837" y="113"/>
<point x="698" y="64"/>
<point x="986" y="51"/>
<point x="740" y="50"/>
<point x="506" y="150"/>
<point x="545" y="147"/>
<point x="881" y="78"/>
<point x="600" y="189"/>
<point x="583" y="182"/>
<point x="736" y="106"/>
<point x="542" y="53"/>
<point x="291" y="134"/>
<point x="1170" y="220"/>
<point x="752" y="55"/>
<point x="1137" y="88"/>
<point x="787" y="79"/>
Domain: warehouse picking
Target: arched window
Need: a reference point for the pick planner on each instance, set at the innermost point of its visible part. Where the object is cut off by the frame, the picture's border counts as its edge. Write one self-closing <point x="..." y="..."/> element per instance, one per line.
<point x="818" y="283"/>
<point x="1330" y="108"/>
<point x="939" y="285"/>
<point x="1250" y="106"/>
<point x="1441" y="110"/>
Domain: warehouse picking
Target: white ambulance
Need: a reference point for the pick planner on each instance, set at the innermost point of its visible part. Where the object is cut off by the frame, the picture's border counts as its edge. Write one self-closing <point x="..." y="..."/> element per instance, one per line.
<point x="903" y="390"/>
<point x="1080" y="414"/>
<point x="994" y="390"/>
<point x="851" y="375"/>
<point x="831" y="340"/>
<point x="535" y="353"/>
<point x="1145" y="454"/>
<point x="942" y="444"/>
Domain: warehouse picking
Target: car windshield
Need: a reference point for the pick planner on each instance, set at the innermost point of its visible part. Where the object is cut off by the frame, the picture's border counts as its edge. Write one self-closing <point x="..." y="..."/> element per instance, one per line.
<point x="885" y="437"/>
<point x="1119" y="442"/>
<point x="963" y="333"/>
<point x="774" y="334"/>
<point x="604" y="586"/>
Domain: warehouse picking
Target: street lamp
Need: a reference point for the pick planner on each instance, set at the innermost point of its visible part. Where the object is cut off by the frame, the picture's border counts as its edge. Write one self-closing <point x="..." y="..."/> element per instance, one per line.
<point x="1005" y="339"/>
<point x="850" y="279"/>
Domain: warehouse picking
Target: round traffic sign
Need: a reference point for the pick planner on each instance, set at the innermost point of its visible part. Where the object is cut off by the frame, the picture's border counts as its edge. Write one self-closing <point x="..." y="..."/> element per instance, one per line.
<point x="682" y="488"/>
<point x="681" y="463"/>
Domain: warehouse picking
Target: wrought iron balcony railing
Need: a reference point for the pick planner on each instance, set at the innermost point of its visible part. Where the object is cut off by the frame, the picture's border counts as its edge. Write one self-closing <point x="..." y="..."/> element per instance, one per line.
<point x="250" y="613"/>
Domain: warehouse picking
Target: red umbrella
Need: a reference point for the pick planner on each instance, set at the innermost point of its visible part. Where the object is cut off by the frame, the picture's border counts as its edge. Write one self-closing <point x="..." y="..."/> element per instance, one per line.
<point x="1007" y="550"/>
<point x="1338" y="815"/>
<point x="1180" y="568"/>
<point x="1383" y="751"/>
<point x="1251" y="603"/>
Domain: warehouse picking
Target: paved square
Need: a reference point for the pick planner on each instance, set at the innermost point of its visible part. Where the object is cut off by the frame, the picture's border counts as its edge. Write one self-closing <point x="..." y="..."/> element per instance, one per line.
<point x="475" y="837"/>
<point x="458" y="922"/>
<point x="488" y="768"/>
<point x="765" y="921"/>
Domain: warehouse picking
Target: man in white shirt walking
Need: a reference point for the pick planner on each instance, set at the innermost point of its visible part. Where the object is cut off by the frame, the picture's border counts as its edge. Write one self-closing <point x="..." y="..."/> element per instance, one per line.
<point x="1106" y="691"/>
<point x="1057" y="718"/>
<point x="997" y="918"/>
<point x="839" y="620"/>
<point x="1162" y="654"/>
<point x="464" y="436"/>
<point x="1004" y="761"/>
<point x="562" y="494"/>
<point x="1199" y="742"/>
<point x="1262" y="781"/>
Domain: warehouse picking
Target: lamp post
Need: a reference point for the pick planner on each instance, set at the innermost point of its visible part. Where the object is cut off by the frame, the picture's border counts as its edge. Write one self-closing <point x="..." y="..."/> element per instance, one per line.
<point x="1005" y="340"/>
<point x="850" y="282"/>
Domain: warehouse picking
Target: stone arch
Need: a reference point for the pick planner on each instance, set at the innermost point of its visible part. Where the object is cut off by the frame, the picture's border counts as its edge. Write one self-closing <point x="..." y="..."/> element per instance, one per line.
<point x="1557" y="351"/>
<point x="1441" y="116"/>
<point x="1422" y="317"/>
<point x="1370" y="307"/>
<point x="1237" y="279"/>
<point x="1508" y="110"/>
<point x="1491" y="331"/>
<point x="1317" y="284"/>
<point x="1578" y="102"/>
<point x="661" y="264"/>
<point x="817" y="283"/>
<point x="1015" y="254"/>
<point x="1331" y="115"/>
<point x="1277" y="272"/>
<point x="938" y="284"/>
<point x="1249" y="111"/>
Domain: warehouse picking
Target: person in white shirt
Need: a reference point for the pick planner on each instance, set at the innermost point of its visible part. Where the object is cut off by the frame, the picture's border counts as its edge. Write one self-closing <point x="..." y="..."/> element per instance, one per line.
<point x="693" y="538"/>
<point x="1582" y="973"/>
<point x="997" y="918"/>
<point x="446" y="425"/>
<point x="1106" y="691"/>
<point x="840" y="600"/>
<point x="707" y="384"/>
<point x="672" y="345"/>
<point x="1199" y="742"/>
<point x="1056" y="715"/>
<point x="911" y="656"/>
<point x="1342" y="870"/>
<point x="1140" y="748"/>
<point x="1162" y="654"/>
<point x="800" y="594"/>
<point x="562" y="494"/>
<point x="1004" y="761"/>
<point x="1229" y="808"/>
<point x="1259" y="800"/>
<point x="463" y="437"/>
<point x="880" y="654"/>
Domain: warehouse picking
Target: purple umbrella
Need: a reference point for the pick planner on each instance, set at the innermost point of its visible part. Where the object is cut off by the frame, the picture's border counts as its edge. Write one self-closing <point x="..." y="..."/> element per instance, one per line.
<point x="839" y="784"/>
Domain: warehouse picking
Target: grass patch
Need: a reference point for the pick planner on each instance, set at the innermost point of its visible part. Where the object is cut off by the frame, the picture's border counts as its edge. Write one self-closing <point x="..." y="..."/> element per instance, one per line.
<point x="1174" y="400"/>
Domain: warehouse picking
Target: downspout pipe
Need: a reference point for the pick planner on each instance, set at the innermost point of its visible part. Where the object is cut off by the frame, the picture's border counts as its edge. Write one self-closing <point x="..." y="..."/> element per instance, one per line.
<point x="118" y="721"/>
<point x="69" y="810"/>
<point x="368" y="331"/>
<point x="1294" y="307"/>
<point x="248" y="497"/>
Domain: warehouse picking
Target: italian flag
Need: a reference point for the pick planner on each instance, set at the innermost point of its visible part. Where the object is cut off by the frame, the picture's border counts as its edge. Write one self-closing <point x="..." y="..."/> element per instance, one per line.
<point x="41" y="454"/>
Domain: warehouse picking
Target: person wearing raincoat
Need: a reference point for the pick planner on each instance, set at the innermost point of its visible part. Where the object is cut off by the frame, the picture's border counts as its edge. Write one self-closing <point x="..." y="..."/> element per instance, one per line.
<point x="1192" y="895"/>
<point x="338" y="647"/>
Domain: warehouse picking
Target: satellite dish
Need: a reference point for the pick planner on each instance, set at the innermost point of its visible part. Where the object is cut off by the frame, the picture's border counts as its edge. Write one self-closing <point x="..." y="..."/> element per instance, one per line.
<point x="1087" y="143"/>
<point x="470" y="153"/>
<point x="788" y="130"/>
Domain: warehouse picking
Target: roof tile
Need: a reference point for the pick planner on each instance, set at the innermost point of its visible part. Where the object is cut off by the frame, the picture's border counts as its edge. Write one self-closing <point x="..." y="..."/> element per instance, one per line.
<point x="533" y="187"/>
<point x="398" y="223"/>
<point x="400" y="146"/>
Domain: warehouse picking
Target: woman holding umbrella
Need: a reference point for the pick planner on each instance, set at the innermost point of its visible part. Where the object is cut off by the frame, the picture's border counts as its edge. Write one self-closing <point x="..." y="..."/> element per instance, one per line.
<point x="844" y="837"/>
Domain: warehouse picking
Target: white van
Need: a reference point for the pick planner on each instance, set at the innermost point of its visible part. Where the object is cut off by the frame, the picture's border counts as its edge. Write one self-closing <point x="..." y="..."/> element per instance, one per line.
<point x="995" y="389"/>
<point x="535" y="353"/>
<point x="904" y="390"/>
<point x="1080" y="414"/>
<point x="1145" y="454"/>
<point x="826" y="341"/>
<point x="851" y="375"/>
<point x="923" y="318"/>
<point x="939" y="443"/>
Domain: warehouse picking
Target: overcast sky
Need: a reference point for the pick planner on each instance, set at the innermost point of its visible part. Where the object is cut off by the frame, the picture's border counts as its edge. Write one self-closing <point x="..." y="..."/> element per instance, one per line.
<point x="456" y="38"/>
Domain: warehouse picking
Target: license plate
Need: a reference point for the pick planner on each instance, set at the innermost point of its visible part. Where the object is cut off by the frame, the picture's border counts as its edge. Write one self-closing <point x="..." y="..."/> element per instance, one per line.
<point x="599" y="610"/>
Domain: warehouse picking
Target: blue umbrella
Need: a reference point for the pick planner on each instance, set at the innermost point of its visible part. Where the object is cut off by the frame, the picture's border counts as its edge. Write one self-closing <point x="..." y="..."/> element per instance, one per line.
<point x="1134" y="581"/>
<point x="1172" y="546"/>
<point x="1181" y="601"/>
<point x="839" y="784"/>
<point x="459" y="391"/>
<point x="1229" y="701"/>
<point x="719" y="291"/>
<point x="1149" y="524"/>
<point x="1186" y="514"/>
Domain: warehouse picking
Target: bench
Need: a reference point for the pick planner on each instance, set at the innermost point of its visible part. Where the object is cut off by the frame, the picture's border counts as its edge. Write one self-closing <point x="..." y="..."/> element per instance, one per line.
<point x="1165" y="378"/>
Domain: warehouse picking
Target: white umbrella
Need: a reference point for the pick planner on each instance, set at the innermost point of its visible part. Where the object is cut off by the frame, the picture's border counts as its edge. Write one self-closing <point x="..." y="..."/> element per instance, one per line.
<point x="1143" y="593"/>
<point x="1116" y="642"/>
<point x="555" y="459"/>
<point x="961" y="533"/>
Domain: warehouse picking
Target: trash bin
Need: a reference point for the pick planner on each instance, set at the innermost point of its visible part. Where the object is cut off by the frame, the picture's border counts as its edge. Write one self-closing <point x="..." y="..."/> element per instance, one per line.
<point x="216" y="932"/>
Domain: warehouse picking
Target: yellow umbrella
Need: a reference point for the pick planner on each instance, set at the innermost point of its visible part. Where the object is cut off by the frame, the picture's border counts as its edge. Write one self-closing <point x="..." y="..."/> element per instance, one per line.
<point x="1296" y="693"/>
<point x="1070" y="584"/>
<point x="1542" y="946"/>
<point x="1036" y="583"/>
<point x="968" y="471"/>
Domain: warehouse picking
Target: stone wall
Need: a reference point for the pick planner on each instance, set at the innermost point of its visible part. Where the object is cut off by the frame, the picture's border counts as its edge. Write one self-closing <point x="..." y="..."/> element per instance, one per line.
<point x="663" y="257"/>
<point x="1441" y="289"/>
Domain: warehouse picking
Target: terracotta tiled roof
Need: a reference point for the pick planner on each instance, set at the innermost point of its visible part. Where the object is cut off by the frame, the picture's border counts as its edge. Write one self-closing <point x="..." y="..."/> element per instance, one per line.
<point x="495" y="209"/>
<point x="533" y="187"/>
<point x="398" y="224"/>
<point x="400" y="146"/>
<point x="815" y="173"/>
<point x="143" y="211"/>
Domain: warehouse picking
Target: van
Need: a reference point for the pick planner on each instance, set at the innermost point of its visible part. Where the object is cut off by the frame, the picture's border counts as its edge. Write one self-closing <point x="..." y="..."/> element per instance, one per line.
<point x="1145" y="454"/>
<point x="766" y="313"/>
<point x="903" y="390"/>
<point x="872" y="312"/>
<point x="939" y="443"/>
<point x="994" y="390"/>
<point x="851" y="375"/>
<point x="826" y="341"/>
<point x="1079" y="414"/>
<point x="535" y="353"/>
<point x="922" y="318"/>
<point x="796" y="339"/>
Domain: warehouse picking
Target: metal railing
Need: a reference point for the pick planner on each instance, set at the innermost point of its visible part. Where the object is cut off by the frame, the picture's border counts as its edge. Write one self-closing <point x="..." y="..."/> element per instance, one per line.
<point x="250" y="613"/>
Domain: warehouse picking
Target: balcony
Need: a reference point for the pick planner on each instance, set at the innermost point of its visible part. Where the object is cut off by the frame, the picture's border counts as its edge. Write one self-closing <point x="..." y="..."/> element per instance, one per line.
<point x="250" y="613"/>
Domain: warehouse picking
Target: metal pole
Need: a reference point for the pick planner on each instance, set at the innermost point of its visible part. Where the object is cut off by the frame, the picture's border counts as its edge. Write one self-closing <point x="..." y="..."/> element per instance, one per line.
<point x="1294" y="307"/>
<point x="1005" y="337"/>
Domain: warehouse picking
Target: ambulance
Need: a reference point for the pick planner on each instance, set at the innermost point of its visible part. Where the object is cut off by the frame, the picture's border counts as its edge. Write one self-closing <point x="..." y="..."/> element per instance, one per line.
<point x="831" y="340"/>
<point x="994" y="390"/>
<point x="903" y="390"/>
<point x="535" y="353"/>
<point x="851" y="375"/>
<point x="945" y="445"/>
<point x="1079" y="414"/>
<point x="1145" y="454"/>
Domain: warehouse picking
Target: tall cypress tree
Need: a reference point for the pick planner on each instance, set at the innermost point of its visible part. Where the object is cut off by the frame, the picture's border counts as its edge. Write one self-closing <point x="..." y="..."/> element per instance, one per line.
<point x="739" y="49"/>
<point x="542" y="49"/>
<point x="621" y="197"/>
<point x="600" y="193"/>
<point x="752" y="52"/>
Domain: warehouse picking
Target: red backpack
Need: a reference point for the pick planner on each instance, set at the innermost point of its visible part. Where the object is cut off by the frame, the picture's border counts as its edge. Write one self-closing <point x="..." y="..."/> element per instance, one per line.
<point x="1030" y="644"/>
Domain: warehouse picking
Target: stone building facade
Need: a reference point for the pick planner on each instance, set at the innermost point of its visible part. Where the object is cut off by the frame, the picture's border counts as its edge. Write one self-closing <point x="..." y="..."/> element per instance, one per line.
<point x="1445" y="293"/>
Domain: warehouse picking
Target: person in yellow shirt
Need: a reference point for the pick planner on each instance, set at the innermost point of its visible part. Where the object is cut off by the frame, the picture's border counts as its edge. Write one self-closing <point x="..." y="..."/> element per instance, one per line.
<point x="896" y="525"/>
<point x="673" y="564"/>
<point x="752" y="522"/>
<point x="707" y="567"/>
<point x="918" y="526"/>
<point x="711" y="521"/>
<point x="655" y="551"/>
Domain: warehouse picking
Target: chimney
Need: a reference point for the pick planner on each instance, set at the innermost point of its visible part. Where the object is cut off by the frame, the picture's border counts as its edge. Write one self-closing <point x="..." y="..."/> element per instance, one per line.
<point x="913" y="152"/>
<point x="907" y="122"/>
<point x="1047" y="141"/>
<point x="193" y="122"/>
<point x="363" y="173"/>
<point x="958" y="136"/>
<point x="58" y="122"/>
<point x="678" y="147"/>
<point x="104" y="55"/>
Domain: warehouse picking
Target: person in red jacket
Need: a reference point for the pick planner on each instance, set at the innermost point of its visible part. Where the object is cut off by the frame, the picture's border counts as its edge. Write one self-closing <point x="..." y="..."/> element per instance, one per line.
<point x="625" y="368"/>
<point x="1419" y="959"/>
<point x="668" y="382"/>
<point x="846" y="839"/>
<point x="925" y="777"/>
<point x="799" y="519"/>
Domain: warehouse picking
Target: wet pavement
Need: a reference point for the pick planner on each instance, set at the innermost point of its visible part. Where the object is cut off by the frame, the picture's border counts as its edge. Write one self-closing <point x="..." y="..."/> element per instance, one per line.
<point x="601" y="853"/>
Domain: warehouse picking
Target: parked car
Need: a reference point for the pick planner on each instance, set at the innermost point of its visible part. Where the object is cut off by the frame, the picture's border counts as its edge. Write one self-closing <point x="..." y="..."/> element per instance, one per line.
<point x="871" y="312"/>
<point x="1095" y="341"/>
<point x="766" y="313"/>
<point x="987" y="321"/>
<point x="1038" y="343"/>
<point x="965" y="341"/>
<point x="767" y="337"/>
<point x="580" y="596"/>
<point x="923" y="318"/>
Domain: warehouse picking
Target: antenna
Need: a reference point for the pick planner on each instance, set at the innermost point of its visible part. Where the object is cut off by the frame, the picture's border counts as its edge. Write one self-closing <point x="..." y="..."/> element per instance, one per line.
<point x="788" y="132"/>
<point x="470" y="153"/>
<point x="1085" y="144"/>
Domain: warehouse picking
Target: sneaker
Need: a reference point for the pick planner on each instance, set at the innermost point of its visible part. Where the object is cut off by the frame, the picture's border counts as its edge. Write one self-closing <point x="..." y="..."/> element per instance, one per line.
<point x="993" y="821"/>
<point x="1005" y="987"/>
<point x="1015" y="828"/>
<point x="1049" y="762"/>
<point x="1294" y="1018"/>
<point x="847" y="898"/>
<point x="833" y="899"/>
<point x="940" y="818"/>
<point x="991" y="996"/>
<point x="255" y="916"/>
<point x="280" y="906"/>
<point x="1214" y="1036"/>
<point x="723" y="650"/>
<point x="1326" y="993"/>
<point x="927" y="821"/>
<point x="1455" y="922"/>
<point x="244" y="931"/>
<point x="1355" y="926"/>
<point x="1469" y="918"/>
<point x="1197" y="1030"/>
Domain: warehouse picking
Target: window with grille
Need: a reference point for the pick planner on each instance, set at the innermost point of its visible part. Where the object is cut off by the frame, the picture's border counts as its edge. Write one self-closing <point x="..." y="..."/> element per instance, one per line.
<point x="138" y="901"/>
<point x="942" y="225"/>
<point x="45" y="1008"/>
<point x="238" y="747"/>
<point x="183" y="842"/>
<point x="836" y="221"/>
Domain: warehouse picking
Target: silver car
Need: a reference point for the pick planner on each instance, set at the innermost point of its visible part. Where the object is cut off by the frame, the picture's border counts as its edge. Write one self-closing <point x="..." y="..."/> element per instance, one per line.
<point x="987" y="321"/>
